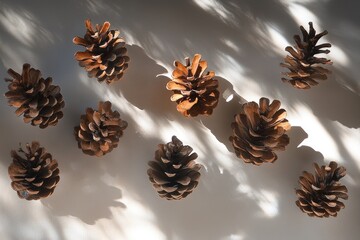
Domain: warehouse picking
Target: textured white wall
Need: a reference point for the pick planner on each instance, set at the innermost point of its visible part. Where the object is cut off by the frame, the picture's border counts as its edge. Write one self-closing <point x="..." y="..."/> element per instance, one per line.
<point x="243" y="42"/>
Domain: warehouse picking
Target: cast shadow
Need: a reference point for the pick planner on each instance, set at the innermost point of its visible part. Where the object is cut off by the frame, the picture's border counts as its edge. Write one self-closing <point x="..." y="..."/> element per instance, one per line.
<point x="219" y="123"/>
<point x="85" y="196"/>
<point x="142" y="84"/>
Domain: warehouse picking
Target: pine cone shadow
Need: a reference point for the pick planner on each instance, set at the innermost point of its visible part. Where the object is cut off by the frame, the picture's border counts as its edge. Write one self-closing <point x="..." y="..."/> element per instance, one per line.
<point x="142" y="86"/>
<point x="338" y="104"/>
<point x="216" y="191"/>
<point x="84" y="195"/>
<point x="219" y="123"/>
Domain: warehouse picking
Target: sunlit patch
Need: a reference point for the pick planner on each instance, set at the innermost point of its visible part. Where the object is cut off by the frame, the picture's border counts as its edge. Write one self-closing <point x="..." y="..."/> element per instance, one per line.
<point x="237" y="236"/>
<point x="266" y="200"/>
<point x="228" y="95"/>
<point x="268" y="203"/>
<point x="277" y="39"/>
<point x="23" y="26"/>
<point x="231" y="45"/>
<point x="338" y="54"/>
<point x="137" y="215"/>
<point x="216" y="8"/>
<point x="351" y="141"/>
<point x="302" y="15"/>
<point x="319" y="139"/>
<point x="231" y="70"/>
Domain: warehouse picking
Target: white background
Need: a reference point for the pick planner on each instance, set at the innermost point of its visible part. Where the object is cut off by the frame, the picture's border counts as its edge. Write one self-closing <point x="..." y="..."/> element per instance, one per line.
<point x="243" y="42"/>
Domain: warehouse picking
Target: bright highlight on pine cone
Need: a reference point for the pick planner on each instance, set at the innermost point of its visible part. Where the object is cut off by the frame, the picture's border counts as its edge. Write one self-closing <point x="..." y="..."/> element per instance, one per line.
<point x="34" y="97"/>
<point x="99" y="131"/>
<point x="305" y="69"/>
<point x="34" y="173"/>
<point x="259" y="130"/>
<point x="174" y="173"/>
<point x="319" y="194"/>
<point x="105" y="55"/>
<point x="194" y="91"/>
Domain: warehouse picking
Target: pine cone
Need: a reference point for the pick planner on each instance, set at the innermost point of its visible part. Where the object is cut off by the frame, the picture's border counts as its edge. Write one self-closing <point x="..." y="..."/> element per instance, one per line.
<point x="319" y="194"/>
<point x="174" y="173"/>
<point x="105" y="55"/>
<point x="259" y="130"/>
<point x="35" y="97"/>
<point x="99" y="131"/>
<point x="35" y="174"/>
<point x="194" y="92"/>
<point x="303" y="65"/>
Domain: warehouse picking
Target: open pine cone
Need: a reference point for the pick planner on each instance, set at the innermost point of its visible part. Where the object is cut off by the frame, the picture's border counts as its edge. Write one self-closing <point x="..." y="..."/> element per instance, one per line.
<point x="319" y="194"/>
<point x="36" y="98"/>
<point x="99" y="131"/>
<point x="259" y="130"/>
<point x="34" y="173"/>
<point x="305" y="71"/>
<point x="105" y="55"/>
<point x="194" y="91"/>
<point x="174" y="173"/>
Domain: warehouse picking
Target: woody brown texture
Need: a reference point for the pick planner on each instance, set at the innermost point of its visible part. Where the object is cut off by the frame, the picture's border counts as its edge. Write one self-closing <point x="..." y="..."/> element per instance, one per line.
<point x="100" y="130"/>
<point x="33" y="172"/>
<point x="305" y="68"/>
<point x="174" y="173"/>
<point x="320" y="193"/>
<point x="35" y="98"/>
<point x="105" y="52"/>
<point x="194" y="91"/>
<point x="259" y="130"/>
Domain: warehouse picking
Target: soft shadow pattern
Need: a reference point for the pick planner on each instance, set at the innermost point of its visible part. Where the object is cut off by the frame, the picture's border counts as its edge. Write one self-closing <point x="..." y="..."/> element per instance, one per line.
<point x="233" y="200"/>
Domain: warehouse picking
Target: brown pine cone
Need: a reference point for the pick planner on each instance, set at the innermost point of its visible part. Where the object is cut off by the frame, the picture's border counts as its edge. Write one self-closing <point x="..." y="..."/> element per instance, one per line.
<point x="105" y="55"/>
<point x="305" y="71"/>
<point x="259" y="130"/>
<point x="319" y="194"/>
<point x="34" y="173"/>
<point x="194" y="92"/>
<point x="99" y="131"/>
<point x="36" y="98"/>
<point x="174" y="173"/>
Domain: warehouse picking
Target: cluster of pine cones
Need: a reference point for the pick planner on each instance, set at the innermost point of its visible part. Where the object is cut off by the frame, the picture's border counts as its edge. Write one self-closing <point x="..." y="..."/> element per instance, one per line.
<point x="258" y="131"/>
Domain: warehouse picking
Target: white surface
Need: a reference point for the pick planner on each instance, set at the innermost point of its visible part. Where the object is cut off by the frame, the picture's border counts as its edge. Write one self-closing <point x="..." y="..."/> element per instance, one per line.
<point x="243" y="42"/>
